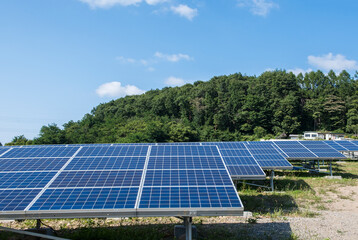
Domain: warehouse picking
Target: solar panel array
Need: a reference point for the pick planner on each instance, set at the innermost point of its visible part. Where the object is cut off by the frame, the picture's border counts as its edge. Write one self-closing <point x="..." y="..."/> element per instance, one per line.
<point x="239" y="161"/>
<point x="308" y="150"/>
<point x="115" y="180"/>
<point x="268" y="156"/>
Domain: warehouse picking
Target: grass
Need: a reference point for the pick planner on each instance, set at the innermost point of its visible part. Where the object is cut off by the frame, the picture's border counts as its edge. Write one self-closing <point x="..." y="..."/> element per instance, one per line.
<point x="298" y="194"/>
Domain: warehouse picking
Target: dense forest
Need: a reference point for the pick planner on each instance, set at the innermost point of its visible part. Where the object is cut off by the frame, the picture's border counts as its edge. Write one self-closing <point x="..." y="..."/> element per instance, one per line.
<point x="226" y="108"/>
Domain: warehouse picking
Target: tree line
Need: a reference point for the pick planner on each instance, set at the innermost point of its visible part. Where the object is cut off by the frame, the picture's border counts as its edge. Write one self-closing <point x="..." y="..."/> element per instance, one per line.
<point x="227" y="108"/>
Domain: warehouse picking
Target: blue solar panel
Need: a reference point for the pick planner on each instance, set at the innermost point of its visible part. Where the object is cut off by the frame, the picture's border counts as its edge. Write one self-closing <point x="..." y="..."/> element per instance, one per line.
<point x="189" y="197"/>
<point x="240" y="162"/>
<point x="348" y="145"/>
<point x="118" y="150"/>
<point x="34" y="164"/>
<point x="169" y="150"/>
<point x="86" y="198"/>
<point x="335" y="145"/>
<point x="246" y="171"/>
<point x="186" y="178"/>
<point x="98" y="179"/>
<point x="106" y="163"/>
<point x="102" y="177"/>
<point x="321" y="149"/>
<point x="25" y="179"/>
<point x="267" y="156"/>
<point x="293" y="149"/>
<point x="235" y="152"/>
<point x="3" y="150"/>
<point x="36" y="152"/>
<point x="185" y="162"/>
<point x="226" y="145"/>
<point x="16" y="200"/>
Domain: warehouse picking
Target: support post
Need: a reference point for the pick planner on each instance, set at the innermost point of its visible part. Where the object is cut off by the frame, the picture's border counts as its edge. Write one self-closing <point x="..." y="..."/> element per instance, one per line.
<point x="38" y="224"/>
<point x="330" y="168"/>
<point x="318" y="165"/>
<point x="188" y="228"/>
<point x="271" y="180"/>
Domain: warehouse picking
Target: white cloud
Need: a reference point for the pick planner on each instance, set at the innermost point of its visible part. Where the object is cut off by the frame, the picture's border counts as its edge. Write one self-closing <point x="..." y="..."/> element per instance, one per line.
<point x="335" y="62"/>
<point x="297" y="71"/>
<point x="173" y="81"/>
<point x="126" y="60"/>
<point x="258" y="7"/>
<point x="155" y="2"/>
<point x="110" y="3"/>
<point x="173" y="57"/>
<point x="115" y="89"/>
<point x="185" y="11"/>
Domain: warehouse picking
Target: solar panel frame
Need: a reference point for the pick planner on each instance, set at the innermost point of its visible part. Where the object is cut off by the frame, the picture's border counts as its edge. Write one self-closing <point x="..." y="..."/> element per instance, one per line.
<point x="33" y="211"/>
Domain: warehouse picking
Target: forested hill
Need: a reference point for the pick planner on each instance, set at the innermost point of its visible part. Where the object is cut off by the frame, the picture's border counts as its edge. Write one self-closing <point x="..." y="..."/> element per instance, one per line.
<point x="234" y="107"/>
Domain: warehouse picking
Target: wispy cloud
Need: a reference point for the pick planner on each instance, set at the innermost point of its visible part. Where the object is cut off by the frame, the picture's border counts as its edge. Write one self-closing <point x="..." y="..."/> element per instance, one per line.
<point x="110" y="3"/>
<point x="258" y="7"/>
<point x="185" y="11"/>
<point x="154" y="60"/>
<point x="155" y="2"/>
<point x="335" y="62"/>
<point x="174" y="81"/>
<point x="297" y="71"/>
<point x="173" y="57"/>
<point x="115" y="89"/>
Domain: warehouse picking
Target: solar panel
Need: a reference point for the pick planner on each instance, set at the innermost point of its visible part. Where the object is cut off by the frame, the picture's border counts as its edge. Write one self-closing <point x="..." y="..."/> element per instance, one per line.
<point x="37" y="152"/>
<point x="25" y="179"/>
<point x="106" y="163"/>
<point x="86" y="199"/>
<point x="191" y="187"/>
<point x="115" y="180"/>
<point x="335" y="145"/>
<point x="239" y="161"/>
<point x="295" y="150"/>
<point x="322" y="150"/>
<point x="118" y="150"/>
<point x="34" y="164"/>
<point x="97" y="179"/>
<point x="348" y="145"/>
<point x="268" y="156"/>
<point x="16" y="199"/>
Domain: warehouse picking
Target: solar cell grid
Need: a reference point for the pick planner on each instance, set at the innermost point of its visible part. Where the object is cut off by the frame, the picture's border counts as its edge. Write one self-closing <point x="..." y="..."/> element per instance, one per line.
<point x="184" y="151"/>
<point x="348" y="145"/>
<point x="125" y="151"/>
<point x="34" y="164"/>
<point x="105" y="163"/>
<point x="246" y="171"/>
<point x="25" y="179"/>
<point x="185" y="162"/>
<point x="16" y="200"/>
<point x="335" y="146"/>
<point x="189" y="197"/>
<point x="226" y="145"/>
<point x="235" y="152"/>
<point x="36" y="152"/>
<point x="186" y="178"/>
<point x="86" y="198"/>
<point x="240" y="161"/>
<point x="97" y="179"/>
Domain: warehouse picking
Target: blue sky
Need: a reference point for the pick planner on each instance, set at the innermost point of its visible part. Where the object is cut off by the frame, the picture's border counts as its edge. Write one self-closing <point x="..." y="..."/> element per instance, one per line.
<point x="61" y="58"/>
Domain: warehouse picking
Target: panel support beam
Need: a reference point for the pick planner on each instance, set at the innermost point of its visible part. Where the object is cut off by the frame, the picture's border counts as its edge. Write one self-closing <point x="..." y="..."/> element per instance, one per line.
<point x="271" y="180"/>
<point x="31" y="233"/>
<point x="188" y="228"/>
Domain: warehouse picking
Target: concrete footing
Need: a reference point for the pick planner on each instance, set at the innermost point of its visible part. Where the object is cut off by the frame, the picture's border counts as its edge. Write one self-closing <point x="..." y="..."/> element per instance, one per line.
<point x="334" y="177"/>
<point x="179" y="232"/>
